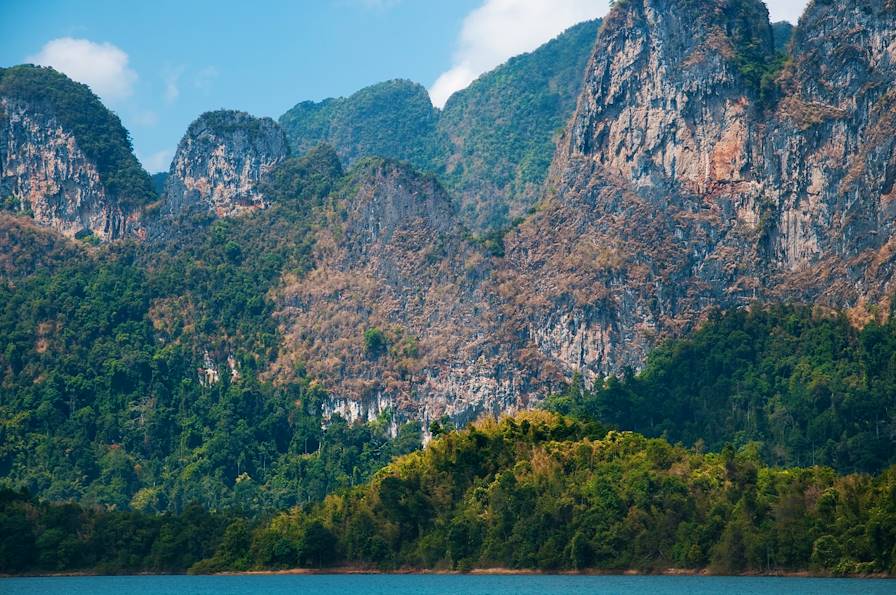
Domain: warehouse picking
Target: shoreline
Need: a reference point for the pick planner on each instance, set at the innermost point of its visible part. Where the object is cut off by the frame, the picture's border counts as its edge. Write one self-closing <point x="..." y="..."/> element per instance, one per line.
<point x="361" y="570"/>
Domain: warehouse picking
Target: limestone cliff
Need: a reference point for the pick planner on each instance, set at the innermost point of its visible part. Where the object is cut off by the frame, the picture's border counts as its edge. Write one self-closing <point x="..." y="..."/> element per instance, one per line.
<point x="397" y="311"/>
<point x="712" y="162"/>
<point x="687" y="181"/>
<point x="220" y="161"/>
<point x="65" y="159"/>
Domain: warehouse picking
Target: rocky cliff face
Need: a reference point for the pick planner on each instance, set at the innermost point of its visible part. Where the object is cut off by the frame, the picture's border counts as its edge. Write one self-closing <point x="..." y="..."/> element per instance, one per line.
<point x="701" y="169"/>
<point x="683" y="183"/>
<point x="48" y="175"/>
<point x="398" y="311"/>
<point x="220" y="161"/>
<point x="65" y="159"/>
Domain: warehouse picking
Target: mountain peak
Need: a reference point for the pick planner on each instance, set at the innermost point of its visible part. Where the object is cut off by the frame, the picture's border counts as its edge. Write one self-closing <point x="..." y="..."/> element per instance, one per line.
<point x="65" y="159"/>
<point x="221" y="160"/>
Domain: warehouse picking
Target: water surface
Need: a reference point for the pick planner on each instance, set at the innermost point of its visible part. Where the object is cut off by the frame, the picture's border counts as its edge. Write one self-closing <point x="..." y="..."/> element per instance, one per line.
<point x="365" y="584"/>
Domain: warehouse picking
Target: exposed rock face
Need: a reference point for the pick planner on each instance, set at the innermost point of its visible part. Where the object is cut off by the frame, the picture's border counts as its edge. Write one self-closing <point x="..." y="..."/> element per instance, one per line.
<point x="683" y="183"/>
<point x="397" y="312"/>
<point x="677" y="188"/>
<point x="220" y="161"/>
<point x="65" y="159"/>
<point x="49" y="176"/>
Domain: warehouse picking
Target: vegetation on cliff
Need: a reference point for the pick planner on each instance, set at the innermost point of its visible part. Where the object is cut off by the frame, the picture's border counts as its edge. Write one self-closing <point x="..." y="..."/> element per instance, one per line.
<point x="133" y="377"/>
<point x="805" y="385"/>
<point x="98" y="131"/>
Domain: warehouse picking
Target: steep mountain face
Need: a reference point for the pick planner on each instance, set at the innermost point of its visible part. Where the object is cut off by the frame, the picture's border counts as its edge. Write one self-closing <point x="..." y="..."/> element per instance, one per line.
<point x="491" y="146"/>
<point x="65" y="159"/>
<point x="220" y="161"/>
<point x="397" y="312"/>
<point x="685" y="182"/>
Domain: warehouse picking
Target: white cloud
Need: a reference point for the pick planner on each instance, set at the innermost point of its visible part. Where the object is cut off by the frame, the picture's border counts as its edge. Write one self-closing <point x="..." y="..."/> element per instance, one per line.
<point x="101" y="66"/>
<point x="172" y="86"/>
<point x="786" y="10"/>
<point x="500" y="29"/>
<point x="205" y="78"/>
<point x="156" y="162"/>
<point x="146" y="118"/>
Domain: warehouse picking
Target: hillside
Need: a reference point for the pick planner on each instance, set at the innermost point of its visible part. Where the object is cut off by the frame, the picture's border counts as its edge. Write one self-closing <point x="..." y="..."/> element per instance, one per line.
<point x="492" y="144"/>
<point x="804" y="386"/>
<point x="279" y="325"/>
<point x="502" y="130"/>
<point x="133" y="376"/>
<point x="394" y="119"/>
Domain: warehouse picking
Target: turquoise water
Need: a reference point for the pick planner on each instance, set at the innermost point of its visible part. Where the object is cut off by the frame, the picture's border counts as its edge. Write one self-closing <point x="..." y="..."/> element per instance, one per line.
<point x="439" y="585"/>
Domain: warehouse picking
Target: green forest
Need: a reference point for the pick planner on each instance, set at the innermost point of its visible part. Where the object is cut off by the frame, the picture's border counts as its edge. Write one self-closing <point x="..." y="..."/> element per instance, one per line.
<point x="532" y="491"/>
<point x="804" y="384"/>
<point x="102" y="403"/>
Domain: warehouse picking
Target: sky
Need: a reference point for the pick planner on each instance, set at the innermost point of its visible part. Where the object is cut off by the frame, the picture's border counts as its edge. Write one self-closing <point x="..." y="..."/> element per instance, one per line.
<point x="160" y="64"/>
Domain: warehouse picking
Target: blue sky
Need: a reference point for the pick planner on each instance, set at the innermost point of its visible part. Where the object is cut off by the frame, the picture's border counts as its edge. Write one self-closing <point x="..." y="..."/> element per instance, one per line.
<point x="161" y="63"/>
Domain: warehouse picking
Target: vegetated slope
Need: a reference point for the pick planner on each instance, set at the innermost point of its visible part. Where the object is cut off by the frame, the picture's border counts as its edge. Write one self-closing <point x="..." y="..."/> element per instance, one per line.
<point x="397" y="311"/>
<point x="535" y="491"/>
<point x="64" y="157"/>
<point x="133" y="376"/>
<point x="27" y="247"/>
<point x="394" y="119"/>
<point x="806" y="386"/>
<point x="501" y="131"/>
<point x="539" y="491"/>
<point x="491" y="146"/>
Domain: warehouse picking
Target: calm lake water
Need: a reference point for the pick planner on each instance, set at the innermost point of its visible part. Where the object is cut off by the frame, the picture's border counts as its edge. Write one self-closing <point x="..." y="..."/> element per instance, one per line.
<point x="440" y="584"/>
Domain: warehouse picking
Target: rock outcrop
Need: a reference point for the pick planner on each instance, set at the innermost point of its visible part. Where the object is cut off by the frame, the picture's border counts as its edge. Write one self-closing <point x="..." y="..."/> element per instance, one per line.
<point x="64" y="159"/>
<point x="220" y="161"/>
<point x="397" y="312"/>
<point x="686" y="182"/>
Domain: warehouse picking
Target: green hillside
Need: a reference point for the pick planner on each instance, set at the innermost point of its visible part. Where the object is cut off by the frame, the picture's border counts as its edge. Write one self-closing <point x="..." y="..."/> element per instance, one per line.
<point x="491" y="145"/>
<point x="394" y="119"/>
<point x="502" y="130"/>
<point x="804" y="384"/>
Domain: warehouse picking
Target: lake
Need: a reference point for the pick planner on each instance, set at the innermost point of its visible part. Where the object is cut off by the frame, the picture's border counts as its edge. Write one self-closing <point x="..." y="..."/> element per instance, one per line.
<point x="439" y="585"/>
